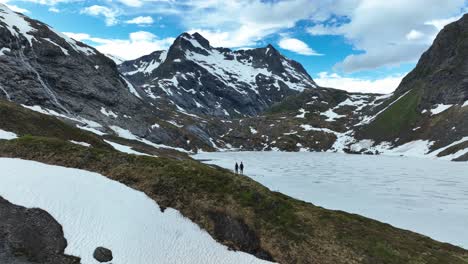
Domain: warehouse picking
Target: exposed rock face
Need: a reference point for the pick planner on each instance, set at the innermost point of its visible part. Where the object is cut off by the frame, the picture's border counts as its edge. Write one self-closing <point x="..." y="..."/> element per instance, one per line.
<point x="442" y="71"/>
<point x="29" y="236"/>
<point x="236" y="234"/>
<point x="201" y="79"/>
<point x="59" y="73"/>
<point x="42" y="67"/>
<point x="103" y="254"/>
<point x="431" y="103"/>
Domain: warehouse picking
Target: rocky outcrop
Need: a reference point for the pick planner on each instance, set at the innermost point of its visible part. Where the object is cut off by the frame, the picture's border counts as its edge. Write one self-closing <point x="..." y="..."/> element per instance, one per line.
<point x="102" y="254"/>
<point x="431" y="103"/>
<point x="237" y="235"/>
<point x="29" y="236"/>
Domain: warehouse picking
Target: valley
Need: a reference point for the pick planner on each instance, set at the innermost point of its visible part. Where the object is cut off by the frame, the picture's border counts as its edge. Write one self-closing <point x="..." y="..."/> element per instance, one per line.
<point x="101" y="152"/>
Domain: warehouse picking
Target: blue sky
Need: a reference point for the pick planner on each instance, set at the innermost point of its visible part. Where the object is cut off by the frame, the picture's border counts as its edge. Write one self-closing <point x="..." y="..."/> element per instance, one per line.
<point x="357" y="45"/>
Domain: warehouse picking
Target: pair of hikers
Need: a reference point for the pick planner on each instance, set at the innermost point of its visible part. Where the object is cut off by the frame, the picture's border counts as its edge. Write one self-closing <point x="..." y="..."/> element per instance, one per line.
<point x="241" y="167"/>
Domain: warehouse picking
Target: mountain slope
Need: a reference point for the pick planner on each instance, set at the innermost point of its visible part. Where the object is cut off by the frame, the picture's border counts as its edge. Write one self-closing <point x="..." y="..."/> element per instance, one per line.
<point x="241" y="213"/>
<point x="430" y="107"/>
<point x="53" y="74"/>
<point x="196" y="97"/>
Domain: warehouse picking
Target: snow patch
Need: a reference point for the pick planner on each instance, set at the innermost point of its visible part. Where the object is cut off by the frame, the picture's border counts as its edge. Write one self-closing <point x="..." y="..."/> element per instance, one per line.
<point x="131" y="88"/>
<point x="7" y="135"/>
<point x="124" y="148"/>
<point x="16" y="24"/>
<point x="108" y="113"/>
<point x="440" y="108"/>
<point x="84" y="124"/>
<point x="3" y="50"/>
<point x="96" y="211"/>
<point x="302" y="113"/>
<point x="123" y="133"/>
<point x="253" y="130"/>
<point x="84" y="144"/>
<point x="331" y="115"/>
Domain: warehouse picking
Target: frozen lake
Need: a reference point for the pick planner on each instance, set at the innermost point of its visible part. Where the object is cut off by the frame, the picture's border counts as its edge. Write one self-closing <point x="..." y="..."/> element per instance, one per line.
<point x="423" y="195"/>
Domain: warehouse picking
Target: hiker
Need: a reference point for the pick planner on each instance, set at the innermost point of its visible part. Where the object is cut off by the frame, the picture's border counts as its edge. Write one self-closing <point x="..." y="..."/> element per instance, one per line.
<point x="242" y="168"/>
<point x="236" y="168"/>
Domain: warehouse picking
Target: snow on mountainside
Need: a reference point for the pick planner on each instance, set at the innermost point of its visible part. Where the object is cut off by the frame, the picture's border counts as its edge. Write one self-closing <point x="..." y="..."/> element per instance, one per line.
<point x="427" y="115"/>
<point x="199" y="78"/>
<point x="56" y="71"/>
<point x="49" y="72"/>
<point x="101" y="212"/>
<point x="197" y="97"/>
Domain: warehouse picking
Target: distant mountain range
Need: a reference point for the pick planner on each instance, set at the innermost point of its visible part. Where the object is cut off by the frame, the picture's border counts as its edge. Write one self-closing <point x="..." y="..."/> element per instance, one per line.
<point x="197" y="97"/>
<point x="64" y="103"/>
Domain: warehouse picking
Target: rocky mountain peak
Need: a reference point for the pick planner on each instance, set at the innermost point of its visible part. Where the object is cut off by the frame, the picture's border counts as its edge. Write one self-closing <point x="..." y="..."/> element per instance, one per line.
<point x="196" y="77"/>
<point x="189" y="42"/>
<point x="442" y="71"/>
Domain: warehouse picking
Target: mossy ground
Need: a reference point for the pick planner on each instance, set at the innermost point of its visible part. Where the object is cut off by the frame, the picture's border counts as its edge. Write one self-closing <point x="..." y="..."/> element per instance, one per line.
<point x="400" y="116"/>
<point x="23" y="121"/>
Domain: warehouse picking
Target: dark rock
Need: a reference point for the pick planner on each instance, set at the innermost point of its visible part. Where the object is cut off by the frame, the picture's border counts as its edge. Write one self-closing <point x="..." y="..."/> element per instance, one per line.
<point x="237" y="235"/>
<point x="440" y="77"/>
<point x="29" y="236"/>
<point x="102" y="254"/>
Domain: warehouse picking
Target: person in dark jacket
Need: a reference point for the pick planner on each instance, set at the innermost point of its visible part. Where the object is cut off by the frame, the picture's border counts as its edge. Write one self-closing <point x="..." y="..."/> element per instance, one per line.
<point x="236" y="168"/>
<point x="242" y="168"/>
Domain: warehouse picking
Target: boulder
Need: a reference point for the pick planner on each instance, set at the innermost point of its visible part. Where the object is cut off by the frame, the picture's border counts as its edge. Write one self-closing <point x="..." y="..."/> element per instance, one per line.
<point x="103" y="254"/>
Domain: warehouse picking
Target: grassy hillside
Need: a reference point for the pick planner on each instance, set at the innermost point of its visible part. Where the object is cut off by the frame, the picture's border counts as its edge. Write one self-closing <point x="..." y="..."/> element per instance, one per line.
<point x="396" y="119"/>
<point x="235" y="210"/>
<point x="243" y="214"/>
<point x="23" y="121"/>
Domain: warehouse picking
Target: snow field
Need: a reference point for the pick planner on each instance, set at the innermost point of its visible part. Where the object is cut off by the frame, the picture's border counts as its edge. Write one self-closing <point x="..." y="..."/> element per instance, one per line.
<point x="422" y="195"/>
<point x="96" y="211"/>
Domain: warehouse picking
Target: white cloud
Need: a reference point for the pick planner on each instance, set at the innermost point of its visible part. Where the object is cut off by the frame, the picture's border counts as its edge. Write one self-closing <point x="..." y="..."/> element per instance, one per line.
<point x="414" y="35"/>
<point x="15" y="8"/>
<point x="244" y="22"/>
<point x="50" y="2"/>
<point x="441" y="23"/>
<point x="138" y="44"/>
<point x="297" y="46"/>
<point x="132" y="3"/>
<point x="387" y="32"/>
<point x="384" y="33"/>
<point x="54" y="10"/>
<point x="141" y="20"/>
<point x="97" y="10"/>
<point x="350" y="84"/>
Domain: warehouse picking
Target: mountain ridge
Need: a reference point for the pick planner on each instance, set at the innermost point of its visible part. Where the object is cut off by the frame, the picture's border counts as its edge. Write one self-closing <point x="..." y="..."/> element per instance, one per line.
<point x="197" y="97"/>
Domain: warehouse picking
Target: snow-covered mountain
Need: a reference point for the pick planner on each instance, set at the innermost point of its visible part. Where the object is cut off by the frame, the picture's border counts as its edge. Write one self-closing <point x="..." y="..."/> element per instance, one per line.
<point x="43" y="67"/>
<point x="201" y="79"/>
<point x="71" y="107"/>
<point x="197" y="97"/>
<point x="49" y="72"/>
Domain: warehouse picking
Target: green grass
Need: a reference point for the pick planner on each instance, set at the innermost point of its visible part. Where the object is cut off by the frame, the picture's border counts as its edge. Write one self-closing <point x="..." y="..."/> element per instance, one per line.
<point x="399" y="117"/>
<point x="22" y="121"/>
